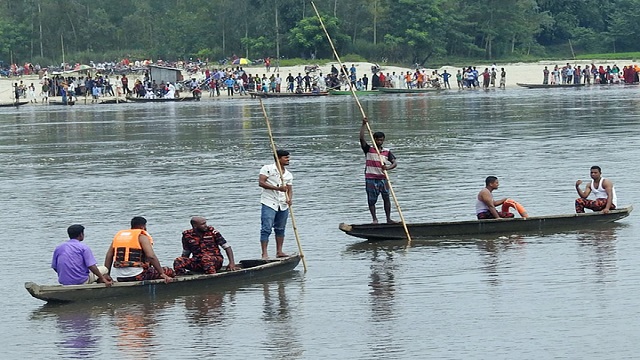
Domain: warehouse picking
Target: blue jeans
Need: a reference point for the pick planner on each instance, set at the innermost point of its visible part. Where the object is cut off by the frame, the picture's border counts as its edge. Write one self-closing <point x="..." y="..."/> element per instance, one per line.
<point x="272" y="219"/>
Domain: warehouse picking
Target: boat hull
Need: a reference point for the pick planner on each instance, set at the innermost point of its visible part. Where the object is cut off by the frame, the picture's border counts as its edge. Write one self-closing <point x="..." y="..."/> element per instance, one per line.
<point x="408" y="91"/>
<point x="549" y="86"/>
<point x="255" y="94"/>
<point x="251" y="270"/>
<point x="359" y="92"/>
<point x="534" y="224"/>
<point x="14" y="104"/>
<point x="161" y="100"/>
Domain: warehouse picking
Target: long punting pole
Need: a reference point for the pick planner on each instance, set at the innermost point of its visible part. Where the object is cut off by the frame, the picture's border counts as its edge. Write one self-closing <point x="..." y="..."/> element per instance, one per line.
<point x="364" y="116"/>
<point x="281" y="171"/>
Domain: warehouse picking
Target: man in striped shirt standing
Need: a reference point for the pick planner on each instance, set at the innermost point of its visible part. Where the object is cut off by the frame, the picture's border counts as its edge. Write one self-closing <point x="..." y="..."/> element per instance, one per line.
<point x="375" y="179"/>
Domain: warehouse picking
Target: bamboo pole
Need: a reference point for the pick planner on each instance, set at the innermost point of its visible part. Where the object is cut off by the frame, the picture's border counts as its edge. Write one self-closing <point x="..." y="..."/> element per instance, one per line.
<point x="281" y="172"/>
<point x="364" y="117"/>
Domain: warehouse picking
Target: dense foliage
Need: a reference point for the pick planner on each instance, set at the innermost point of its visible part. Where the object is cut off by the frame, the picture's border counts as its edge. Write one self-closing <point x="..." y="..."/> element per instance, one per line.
<point x="407" y="31"/>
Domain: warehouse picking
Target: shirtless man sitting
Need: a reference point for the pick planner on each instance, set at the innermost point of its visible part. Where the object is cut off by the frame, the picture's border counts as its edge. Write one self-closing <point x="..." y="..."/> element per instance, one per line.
<point x="486" y="205"/>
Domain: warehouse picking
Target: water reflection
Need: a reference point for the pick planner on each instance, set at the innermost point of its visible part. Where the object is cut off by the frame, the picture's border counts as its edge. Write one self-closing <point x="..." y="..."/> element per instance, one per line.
<point x="284" y="337"/>
<point x="382" y="285"/>
<point x="600" y="251"/>
<point x="83" y="335"/>
<point x="383" y="310"/>
<point x="367" y="247"/>
<point x="491" y="252"/>
<point x="136" y="327"/>
<point x="78" y="332"/>
<point x="203" y="310"/>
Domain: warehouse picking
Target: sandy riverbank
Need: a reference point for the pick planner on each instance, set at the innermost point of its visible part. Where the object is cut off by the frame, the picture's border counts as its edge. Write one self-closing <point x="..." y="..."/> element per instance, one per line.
<point x="516" y="73"/>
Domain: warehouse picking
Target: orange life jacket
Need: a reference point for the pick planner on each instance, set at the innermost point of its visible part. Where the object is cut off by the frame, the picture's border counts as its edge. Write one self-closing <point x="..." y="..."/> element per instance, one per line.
<point x="127" y="250"/>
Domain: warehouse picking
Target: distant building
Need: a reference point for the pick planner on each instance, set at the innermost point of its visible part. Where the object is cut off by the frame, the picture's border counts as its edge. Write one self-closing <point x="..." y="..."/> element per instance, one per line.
<point x="165" y="74"/>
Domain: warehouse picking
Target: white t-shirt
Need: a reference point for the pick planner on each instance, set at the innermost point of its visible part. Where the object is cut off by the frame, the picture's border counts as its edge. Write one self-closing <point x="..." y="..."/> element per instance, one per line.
<point x="124" y="272"/>
<point x="277" y="200"/>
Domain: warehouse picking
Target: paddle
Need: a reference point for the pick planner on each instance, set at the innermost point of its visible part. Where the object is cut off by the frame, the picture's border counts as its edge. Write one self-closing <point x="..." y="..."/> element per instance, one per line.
<point x="281" y="172"/>
<point x="364" y="116"/>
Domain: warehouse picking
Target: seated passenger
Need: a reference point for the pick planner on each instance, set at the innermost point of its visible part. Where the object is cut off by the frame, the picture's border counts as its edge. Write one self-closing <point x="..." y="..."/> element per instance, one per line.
<point x="486" y="205"/>
<point x="604" y="193"/>
<point x="201" y="249"/>
<point x="74" y="261"/>
<point x="131" y="256"/>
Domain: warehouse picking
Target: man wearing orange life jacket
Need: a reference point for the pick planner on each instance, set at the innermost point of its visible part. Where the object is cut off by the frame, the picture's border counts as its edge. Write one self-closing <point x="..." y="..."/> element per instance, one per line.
<point x="132" y="257"/>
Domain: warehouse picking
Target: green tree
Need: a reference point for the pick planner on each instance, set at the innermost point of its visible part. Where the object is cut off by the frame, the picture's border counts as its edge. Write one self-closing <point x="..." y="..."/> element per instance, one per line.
<point x="625" y="26"/>
<point x="309" y="38"/>
<point x="417" y="28"/>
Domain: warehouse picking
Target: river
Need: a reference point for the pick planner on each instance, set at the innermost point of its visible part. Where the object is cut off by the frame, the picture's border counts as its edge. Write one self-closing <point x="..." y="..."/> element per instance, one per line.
<point x="569" y="295"/>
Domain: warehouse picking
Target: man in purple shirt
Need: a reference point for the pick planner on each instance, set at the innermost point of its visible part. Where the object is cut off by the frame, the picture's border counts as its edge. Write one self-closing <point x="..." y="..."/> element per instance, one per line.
<point x="72" y="260"/>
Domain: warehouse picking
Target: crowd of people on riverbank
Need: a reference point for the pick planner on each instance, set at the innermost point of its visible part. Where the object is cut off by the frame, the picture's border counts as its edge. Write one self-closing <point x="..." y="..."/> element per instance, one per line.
<point x="95" y="81"/>
<point x="588" y="74"/>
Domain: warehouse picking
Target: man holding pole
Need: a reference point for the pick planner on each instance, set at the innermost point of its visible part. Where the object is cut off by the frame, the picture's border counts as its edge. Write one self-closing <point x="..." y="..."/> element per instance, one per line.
<point x="375" y="179"/>
<point x="277" y="190"/>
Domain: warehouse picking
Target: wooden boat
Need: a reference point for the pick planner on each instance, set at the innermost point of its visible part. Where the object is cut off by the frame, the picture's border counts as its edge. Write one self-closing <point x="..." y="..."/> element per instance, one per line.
<point x="358" y="92"/>
<point x="162" y="100"/>
<point x="250" y="270"/>
<point x="53" y="102"/>
<point x="408" y="91"/>
<point x="14" y="104"/>
<point x="113" y="101"/>
<point x="255" y="94"/>
<point x="549" y="86"/>
<point x="507" y="227"/>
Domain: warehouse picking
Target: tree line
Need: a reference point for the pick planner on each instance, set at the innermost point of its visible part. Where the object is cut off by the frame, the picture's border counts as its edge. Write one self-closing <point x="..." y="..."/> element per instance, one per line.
<point x="403" y="31"/>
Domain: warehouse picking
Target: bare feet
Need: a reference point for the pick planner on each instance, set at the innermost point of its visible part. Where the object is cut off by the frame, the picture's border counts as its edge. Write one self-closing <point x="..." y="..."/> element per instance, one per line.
<point x="265" y="257"/>
<point x="375" y="221"/>
<point x="389" y="221"/>
<point x="281" y="255"/>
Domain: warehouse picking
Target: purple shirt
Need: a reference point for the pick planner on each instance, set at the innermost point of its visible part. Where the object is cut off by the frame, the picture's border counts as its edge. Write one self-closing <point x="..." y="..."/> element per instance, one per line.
<point x="71" y="260"/>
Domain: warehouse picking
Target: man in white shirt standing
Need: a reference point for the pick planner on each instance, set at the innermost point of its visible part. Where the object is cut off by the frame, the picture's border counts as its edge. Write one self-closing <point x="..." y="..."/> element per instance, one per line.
<point x="275" y="199"/>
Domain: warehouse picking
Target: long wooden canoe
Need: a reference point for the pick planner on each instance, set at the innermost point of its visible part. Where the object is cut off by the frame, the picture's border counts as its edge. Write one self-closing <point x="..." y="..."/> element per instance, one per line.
<point x="113" y="101"/>
<point x="408" y="91"/>
<point x="14" y="104"/>
<point x="358" y="92"/>
<point x="161" y="100"/>
<point x="507" y="227"/>
<point x="250" y="269"/>
<point x="54" y="102"/>
<point x="255" y="94"/>
<point x="549" y="86"/>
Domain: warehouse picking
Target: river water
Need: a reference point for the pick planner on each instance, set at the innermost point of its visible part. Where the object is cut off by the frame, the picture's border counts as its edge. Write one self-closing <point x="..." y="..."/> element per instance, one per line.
<point x="572" y="295"/>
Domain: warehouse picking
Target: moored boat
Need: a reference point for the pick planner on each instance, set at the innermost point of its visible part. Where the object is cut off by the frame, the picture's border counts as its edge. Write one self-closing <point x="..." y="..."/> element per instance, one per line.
<point x="549" y="86"/>
<point x="113" y="101"/>
<point x="14" y="104"/>
<point x="54" y="102"/>
<point x="358" y="92"/>
<point x="161" y="100"/>
<point x="255" y="94"/>
<point x="408" y="91"/>
<point x="249" y="270"/>
<point x="533" y="224"/>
